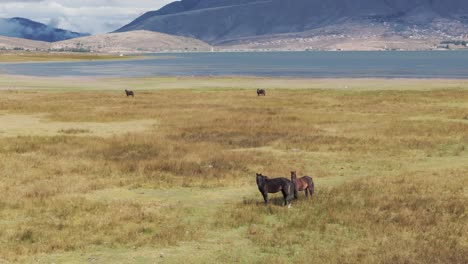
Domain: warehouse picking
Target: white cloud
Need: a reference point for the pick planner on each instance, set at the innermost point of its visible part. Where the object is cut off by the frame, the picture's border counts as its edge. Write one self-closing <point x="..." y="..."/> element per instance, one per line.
<point x="91" y="16"/>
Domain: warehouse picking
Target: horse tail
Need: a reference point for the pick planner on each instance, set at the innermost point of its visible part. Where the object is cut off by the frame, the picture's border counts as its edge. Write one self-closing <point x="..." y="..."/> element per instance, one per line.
<point x="311" y="187"/>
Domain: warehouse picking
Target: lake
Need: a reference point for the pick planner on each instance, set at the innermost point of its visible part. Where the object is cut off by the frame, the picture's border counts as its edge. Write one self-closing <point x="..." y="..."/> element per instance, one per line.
<point x="386" y="64"/>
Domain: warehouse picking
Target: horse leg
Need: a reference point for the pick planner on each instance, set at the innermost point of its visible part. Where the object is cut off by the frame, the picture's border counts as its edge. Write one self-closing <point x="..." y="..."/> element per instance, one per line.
<point x="306" y="193"/>
<point x="288" y="194"/>
<point x="295" y="192"/>
<point x="285" y="196"/>
<point x="291" y="192"/>
<point x="265" y="197"/>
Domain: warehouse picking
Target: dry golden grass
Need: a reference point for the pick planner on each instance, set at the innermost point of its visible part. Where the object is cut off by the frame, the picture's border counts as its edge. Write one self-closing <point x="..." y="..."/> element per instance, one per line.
<point x="417" y="218"/>
<point x="389" y="165"/>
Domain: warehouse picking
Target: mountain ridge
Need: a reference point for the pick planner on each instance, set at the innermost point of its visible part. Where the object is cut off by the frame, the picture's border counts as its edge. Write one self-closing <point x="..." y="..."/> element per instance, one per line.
<point x="219" y="21"/>
<point x="19" y="27"/>
<point x="11" y="43"/>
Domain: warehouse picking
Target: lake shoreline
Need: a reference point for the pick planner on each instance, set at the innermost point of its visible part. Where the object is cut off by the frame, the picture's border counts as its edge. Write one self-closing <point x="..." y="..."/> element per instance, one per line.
<point x="347" y="65"/>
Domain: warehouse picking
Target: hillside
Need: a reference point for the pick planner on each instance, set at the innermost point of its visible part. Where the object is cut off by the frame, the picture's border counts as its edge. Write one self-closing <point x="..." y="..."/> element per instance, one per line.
<point x="131" y="42"/>
<point x="234" y="22"/>
<point x="24" y="28"/>
<point x="352" y="36"/>
<point x="19" y="43"/>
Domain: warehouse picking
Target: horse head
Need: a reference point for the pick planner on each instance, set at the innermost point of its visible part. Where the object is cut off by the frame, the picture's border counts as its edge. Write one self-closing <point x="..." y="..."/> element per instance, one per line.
<point x="261" y="179"/>
<point x="293" y="176"/>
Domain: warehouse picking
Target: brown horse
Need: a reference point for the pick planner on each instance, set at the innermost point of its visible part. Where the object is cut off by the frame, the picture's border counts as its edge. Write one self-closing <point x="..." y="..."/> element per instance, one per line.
<point x="267" y="185"/>
<point x="261" y="92"/>
<point x="302" y="184"/>
<point x="129" y="93"/>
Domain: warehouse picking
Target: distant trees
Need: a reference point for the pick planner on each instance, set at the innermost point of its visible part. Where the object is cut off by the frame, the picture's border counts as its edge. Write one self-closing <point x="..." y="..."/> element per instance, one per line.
<point x="455" y="42"/>
<point x="70" y="50"/>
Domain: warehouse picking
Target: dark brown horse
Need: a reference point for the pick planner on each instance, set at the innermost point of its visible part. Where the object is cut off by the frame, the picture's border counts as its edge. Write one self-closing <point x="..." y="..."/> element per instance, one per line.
<point x="302" y="184"/>
<point x="267" y="185"/>
<point x="129" y="93"/>
<point x="261" y="92"/>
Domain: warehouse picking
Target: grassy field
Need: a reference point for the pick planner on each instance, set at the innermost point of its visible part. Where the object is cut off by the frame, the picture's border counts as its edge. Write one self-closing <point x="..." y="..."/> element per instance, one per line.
<point x="25" y="56"/>
<point x="90" y="176"/>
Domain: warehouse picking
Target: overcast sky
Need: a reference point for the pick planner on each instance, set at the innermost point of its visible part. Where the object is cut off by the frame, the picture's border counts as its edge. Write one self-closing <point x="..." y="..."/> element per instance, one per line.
<point x="87" y="16"/>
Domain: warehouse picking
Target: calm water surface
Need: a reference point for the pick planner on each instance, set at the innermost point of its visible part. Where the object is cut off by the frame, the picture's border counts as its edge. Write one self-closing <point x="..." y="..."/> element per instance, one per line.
<point x="424" y="64"/>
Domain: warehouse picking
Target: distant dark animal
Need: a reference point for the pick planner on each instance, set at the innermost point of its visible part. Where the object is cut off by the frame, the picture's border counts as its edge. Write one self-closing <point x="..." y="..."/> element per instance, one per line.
<point x="267" y="185"/>
<point x="302" y="184"/>
<point x="261" y="92"/>
<point x="129" y="93"/>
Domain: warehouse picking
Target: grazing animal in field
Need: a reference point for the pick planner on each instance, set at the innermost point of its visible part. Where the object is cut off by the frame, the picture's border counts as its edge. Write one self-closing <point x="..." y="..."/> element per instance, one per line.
<point x="129" y="93"/>
<point x="267" y="185"/>
<point x="302" y="184"/>
<point x="261" y="92"/>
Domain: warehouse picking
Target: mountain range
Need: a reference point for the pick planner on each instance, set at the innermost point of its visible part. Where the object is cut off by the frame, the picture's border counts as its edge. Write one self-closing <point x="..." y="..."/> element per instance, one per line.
<point x="233" y="22"/>
<point x="24" y="28"/>
<point x="271" y="25"/>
